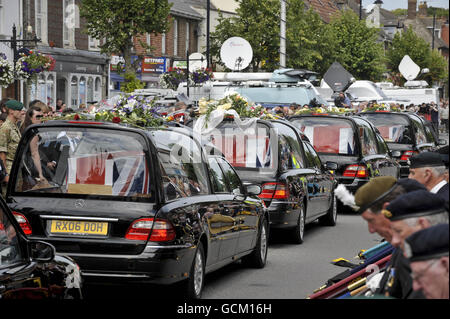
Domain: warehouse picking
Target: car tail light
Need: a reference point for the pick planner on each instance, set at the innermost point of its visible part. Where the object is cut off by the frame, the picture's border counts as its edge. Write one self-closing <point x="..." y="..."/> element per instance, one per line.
<point x="141" y="228"/>
<point x="356" y="171"/>
<point x="407" y="154"/>
<point x="274" y="191"/>
<point x="23" y="222"/>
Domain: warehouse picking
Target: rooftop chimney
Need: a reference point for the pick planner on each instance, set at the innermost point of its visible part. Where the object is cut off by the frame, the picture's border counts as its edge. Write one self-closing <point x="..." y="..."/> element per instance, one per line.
<point x="423" y="9"/>
<point x="412" y="9"/>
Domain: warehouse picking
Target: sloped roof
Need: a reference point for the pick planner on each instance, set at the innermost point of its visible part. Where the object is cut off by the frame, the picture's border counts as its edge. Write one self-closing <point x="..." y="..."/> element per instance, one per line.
<point x="419" y="26"/>
<point x="325" y="8"/>
<point x="183" y="9"/>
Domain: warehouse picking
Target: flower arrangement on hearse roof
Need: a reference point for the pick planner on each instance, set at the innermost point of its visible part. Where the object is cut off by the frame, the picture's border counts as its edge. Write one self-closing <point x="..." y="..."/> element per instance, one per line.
<point x="233" y="101"/>
<point x="382" y="108"/>
<point x="31" y="63"/>
<point x="133" y="110"/>
<point x="6" y="71"/>
<point x="323" y="110"/>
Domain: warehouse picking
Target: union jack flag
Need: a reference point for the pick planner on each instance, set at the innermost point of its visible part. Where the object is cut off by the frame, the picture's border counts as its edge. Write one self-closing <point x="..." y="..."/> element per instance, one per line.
<point x="391" y="133"/>
<point x="126" y="172"/>
<point x="244" y="150"/>
<point x="330" y="139"/>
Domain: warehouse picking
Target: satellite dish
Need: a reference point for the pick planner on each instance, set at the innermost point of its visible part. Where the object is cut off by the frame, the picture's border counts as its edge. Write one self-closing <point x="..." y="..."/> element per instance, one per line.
<point x="236" y="53"/>
<point x="338" y="78"/>
<point x="408" y="68"/>
<point x="197" y="61"/>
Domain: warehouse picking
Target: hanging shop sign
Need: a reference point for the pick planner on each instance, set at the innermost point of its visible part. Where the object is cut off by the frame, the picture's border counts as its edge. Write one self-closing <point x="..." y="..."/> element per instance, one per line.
<point x="154" y="65"/>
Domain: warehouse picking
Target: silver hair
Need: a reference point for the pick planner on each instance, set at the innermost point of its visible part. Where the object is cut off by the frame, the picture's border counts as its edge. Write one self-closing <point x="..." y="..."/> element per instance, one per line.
<point x="438" y="170"/>
<point x="441" y="218"/>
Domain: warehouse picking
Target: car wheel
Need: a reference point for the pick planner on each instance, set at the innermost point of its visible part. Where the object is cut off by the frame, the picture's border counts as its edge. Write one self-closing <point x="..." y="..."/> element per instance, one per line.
<point x="196" y="280"/>
<point x="299" y="230"/>
<point x="331" y="217"/>
<point x="258" y="257"/>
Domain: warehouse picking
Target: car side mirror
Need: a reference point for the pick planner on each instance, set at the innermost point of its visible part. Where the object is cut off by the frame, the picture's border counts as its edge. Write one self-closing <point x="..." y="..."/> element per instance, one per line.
<point x="253" y="189"/>
<point x="331" y="166"/>
<point x="41" y="251"/>
<point x="442" y="142"/>
<point x="396" y="154"/>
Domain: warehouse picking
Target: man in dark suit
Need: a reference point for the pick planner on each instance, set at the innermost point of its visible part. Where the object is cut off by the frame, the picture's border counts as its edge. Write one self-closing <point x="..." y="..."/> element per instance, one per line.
<point x="429" y="169"/>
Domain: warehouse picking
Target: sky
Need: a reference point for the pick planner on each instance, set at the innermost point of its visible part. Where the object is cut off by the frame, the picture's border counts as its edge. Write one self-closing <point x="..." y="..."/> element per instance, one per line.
<point x="403" y="4"/>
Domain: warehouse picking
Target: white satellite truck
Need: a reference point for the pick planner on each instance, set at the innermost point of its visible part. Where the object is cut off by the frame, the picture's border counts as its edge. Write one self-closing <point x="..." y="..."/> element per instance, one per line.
<point x="338" y="79"/>
<point x="279" y="88"/>
<point x="416" y="91"/>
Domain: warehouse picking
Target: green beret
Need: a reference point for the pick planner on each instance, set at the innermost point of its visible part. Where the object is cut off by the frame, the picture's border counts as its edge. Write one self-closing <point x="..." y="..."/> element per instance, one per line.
<point x="14" y="105"/>
<point x="373" y="191"/>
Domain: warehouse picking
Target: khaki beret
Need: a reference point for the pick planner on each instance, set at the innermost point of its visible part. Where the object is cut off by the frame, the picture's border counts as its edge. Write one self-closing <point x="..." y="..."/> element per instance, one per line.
<point x="14" y="105"/>
<point x="368" y="194"/>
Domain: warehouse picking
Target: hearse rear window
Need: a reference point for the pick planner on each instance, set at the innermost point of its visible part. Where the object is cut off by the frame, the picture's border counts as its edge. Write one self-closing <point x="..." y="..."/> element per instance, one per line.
<point x="84" y="161"/>
<point x="328" y="135"/>
<point x="249" y="149"/>
<point x="394" y="128"/>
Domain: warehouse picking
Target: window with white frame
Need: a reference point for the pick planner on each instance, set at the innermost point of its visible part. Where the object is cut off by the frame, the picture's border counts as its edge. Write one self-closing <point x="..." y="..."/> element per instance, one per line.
<point x="148" y="39"/>
<point x="2" y="16"/>
<point x="187" y="36"/>
<point x="40" y="7"/>
<point x="163" y="43"/>
<point x="175" y="37"/>
<point x="94" y="44"/>
<point x="70" y="10"/>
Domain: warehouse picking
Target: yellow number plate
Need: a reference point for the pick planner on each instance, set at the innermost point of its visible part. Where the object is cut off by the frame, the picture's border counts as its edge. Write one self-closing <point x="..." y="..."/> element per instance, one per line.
<point x="78" y="227"/>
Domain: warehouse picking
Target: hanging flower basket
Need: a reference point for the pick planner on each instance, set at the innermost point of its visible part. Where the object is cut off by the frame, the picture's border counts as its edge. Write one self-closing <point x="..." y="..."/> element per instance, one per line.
<point x="172" y="78"/>
<point x="201" y="76"/>
<point x="6" y="71"/>
<point x="31" y="63"/>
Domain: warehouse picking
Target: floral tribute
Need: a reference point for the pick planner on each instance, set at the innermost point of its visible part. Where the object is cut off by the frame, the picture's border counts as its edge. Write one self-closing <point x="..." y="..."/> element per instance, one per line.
<point x="137" y="111"/>
<point x="231" y="102"/>
<point x="6" y="71"/>
<point x="321" y="110"/>
<point x="31" y="63"/>
<point x="377" y="107"/>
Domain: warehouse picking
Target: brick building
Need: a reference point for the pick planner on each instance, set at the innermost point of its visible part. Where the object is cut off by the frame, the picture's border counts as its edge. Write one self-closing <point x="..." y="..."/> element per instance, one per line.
<point x="166" y="48"/>
<point x="81" y="71"/>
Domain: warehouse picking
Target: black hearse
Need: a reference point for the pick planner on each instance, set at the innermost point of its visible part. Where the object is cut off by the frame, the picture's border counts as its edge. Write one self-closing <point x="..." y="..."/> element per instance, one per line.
<point x="296" y="186"/>
<point x="136" y="205"/>
<point x="350" y="141"/>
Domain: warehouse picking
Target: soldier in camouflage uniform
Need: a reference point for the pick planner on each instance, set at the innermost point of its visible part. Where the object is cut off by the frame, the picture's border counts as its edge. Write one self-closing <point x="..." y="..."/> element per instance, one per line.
<point x="9" y="137"/>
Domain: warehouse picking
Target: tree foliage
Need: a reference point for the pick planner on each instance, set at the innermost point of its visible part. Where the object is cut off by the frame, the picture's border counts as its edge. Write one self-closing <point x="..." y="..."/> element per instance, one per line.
<point x="257" y="22"/>
<point x="118" y="21"/>
<point x="310" y="43"/>
<point x="356" y="47"/>
<point x="307" y="45"/>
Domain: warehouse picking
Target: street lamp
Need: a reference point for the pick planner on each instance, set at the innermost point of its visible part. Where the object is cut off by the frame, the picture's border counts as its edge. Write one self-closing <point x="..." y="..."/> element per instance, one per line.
<point x="208" y="9"/>
<point x="360" y="10"/>
<point x="13" y="43"/>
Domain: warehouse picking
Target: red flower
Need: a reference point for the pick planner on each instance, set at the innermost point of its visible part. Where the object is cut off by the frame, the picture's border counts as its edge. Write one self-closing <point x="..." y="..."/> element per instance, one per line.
<point x="76" y="117"/>
<point x="116" y="119"/>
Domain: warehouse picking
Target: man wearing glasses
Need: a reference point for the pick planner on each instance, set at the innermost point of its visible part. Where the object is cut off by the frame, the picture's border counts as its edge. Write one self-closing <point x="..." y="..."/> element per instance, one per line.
<point x="427" y="251"/>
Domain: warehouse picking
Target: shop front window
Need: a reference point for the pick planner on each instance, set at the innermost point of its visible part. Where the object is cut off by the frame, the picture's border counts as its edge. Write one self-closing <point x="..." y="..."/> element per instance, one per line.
<point x="90" y="90"/>
<point x="74" y="90"/>
<point x="98" y="88"/>
<point x="41" y="91"/>
<point x="82" y="91"/>
<point x="50" y="89"/>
